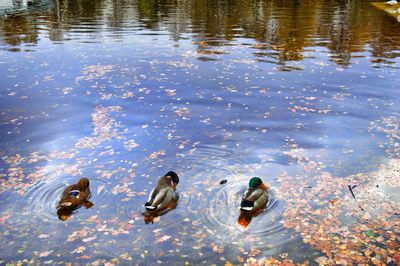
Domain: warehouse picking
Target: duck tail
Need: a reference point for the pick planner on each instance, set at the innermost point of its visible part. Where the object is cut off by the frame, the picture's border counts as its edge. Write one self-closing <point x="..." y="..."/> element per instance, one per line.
<point x="148" y="218"/>
<point x="243" y="220"/>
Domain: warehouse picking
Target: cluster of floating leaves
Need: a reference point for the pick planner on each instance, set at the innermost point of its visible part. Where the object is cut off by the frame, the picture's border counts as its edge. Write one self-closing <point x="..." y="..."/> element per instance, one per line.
<point x="95" y="72"/>
<point x="175" y="64"/>
<point x="361" y="229"/>
<point x="19" y="179"/>
<point x="390" y="126"/>
<point x="353" y="220"/>
<point x="105" y="128"/>
<point x="271" y="261"/>
<point x="349" y="230"/>
<point x="23" y="172"/>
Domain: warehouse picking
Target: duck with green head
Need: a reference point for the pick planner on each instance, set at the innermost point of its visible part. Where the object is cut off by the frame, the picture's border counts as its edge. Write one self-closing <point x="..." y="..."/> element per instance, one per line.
<point x="253" y="202"/>
<point x="163" y="197"/>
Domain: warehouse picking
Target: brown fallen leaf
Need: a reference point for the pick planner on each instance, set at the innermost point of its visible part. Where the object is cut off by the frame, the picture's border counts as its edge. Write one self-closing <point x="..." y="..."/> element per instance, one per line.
<point x="79" y="249"/>
<point x="4" y="218"/>
<point x="88" y="239"/>
<point x="163" y="239"/>
<point x="45" y="253"/>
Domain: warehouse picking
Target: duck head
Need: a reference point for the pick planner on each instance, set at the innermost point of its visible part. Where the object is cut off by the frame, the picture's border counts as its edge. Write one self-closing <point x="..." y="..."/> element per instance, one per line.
<point x="256" y="182"/>
<point x="83" y="183"/>
<point x="173" y="177"/>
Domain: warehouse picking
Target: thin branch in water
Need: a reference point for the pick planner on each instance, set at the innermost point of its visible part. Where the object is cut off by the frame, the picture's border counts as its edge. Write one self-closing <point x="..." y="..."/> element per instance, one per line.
<point x="351" y="191"/>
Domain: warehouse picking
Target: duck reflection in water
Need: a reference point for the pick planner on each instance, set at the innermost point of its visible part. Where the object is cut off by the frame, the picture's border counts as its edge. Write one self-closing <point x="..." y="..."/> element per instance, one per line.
<point x="73" y="197"/>
<point x="162" y="198"/>
<point x="254" y="201"/>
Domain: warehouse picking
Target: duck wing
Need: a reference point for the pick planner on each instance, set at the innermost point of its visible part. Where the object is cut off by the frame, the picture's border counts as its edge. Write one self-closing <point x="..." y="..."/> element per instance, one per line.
<point x="151" y="198"/>
<point x="66" y="198"/>
<point x="250" y="197"/>
<point x="160" y="196"/>
<point x="156" y="197"/>
<point x="261" y="201"/>
<point x="66" y="192"/>
<point x="167" y="200"/>
<point x="253" y="194"/>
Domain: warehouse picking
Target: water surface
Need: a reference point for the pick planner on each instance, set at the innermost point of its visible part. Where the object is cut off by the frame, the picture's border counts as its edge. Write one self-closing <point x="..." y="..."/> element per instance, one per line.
<point x="303" y="94"/>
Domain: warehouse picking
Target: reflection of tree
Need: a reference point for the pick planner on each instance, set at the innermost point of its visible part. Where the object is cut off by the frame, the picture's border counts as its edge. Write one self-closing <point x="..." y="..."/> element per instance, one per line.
<point x="282" y="30"/>
<point x="149" y="13"/>
<point x="56" y="30"/>
<point x="340" y="33"/>
<point x="17" y="4"/>
<point x="18" y="29"/>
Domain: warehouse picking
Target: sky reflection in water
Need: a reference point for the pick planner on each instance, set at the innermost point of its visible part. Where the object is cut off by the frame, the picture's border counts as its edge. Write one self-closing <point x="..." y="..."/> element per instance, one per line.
<point x="123" y="91"/>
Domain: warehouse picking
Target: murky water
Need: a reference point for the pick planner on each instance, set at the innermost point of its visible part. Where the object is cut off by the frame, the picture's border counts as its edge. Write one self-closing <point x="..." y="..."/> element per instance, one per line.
<point x="121" y="92"/>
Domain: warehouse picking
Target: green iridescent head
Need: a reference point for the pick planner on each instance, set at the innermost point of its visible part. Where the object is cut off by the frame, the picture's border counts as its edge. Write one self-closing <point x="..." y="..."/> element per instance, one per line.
<point x="255" y="182"/>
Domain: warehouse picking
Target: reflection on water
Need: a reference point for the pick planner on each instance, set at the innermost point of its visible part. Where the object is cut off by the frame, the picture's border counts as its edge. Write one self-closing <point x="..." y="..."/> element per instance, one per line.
<point x="149" y="216"/>
<point x="282" y="30"/>
<point x="301" y="93"/>
<point x="43" y="198"/>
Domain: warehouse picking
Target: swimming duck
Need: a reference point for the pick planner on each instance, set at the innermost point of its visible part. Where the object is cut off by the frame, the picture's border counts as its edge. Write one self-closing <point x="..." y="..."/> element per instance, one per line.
<point x="163" y="195"/>
<point x="73" y="197"/>
<point x="150" y="215"/>
<point x="253" y="201"/>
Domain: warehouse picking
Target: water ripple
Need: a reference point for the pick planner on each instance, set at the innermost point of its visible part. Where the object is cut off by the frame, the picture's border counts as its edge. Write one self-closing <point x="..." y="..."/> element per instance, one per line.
<point x="43" y="197"/>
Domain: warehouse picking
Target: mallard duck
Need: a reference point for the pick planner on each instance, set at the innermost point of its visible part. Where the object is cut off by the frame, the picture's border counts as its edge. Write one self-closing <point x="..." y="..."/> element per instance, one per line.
<point x="163" y="195"/>
<point x="253" y="201"/>
<point x="150" y="215"/>
<point x="73" y="197"/>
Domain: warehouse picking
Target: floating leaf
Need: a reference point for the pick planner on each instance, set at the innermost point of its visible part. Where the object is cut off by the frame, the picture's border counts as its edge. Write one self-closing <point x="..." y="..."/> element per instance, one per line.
<point x="79" y="249"/>
<point x="45" y="253"/>
<point x="88" y="239"/>
<point x="163" y="239"/>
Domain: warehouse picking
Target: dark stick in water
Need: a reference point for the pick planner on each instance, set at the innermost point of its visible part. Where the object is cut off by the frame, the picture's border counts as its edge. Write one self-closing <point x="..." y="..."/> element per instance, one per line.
<point x="351" y="191"/>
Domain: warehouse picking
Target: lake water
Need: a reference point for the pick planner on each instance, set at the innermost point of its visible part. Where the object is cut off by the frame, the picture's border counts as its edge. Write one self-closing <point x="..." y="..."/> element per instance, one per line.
<point x="304" y="94"/>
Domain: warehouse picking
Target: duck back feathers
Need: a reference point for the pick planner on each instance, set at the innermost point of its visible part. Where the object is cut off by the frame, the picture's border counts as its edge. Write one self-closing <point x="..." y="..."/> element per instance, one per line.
<point x="163" y="193"/>
<point x="253" y="199"/>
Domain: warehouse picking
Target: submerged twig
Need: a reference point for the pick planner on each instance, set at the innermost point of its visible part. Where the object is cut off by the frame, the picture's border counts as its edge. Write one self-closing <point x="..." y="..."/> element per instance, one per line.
<point x="351" y="190"/>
